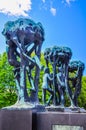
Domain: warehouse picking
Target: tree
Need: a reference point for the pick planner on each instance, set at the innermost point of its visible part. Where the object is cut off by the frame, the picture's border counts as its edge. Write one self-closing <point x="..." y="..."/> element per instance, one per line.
<point x="82" y="97"/>
<point x="7" y="84"/>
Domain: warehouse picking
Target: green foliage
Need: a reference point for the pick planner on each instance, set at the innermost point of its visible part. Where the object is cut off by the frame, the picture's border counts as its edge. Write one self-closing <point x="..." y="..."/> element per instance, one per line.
<point x="82" y="97"/>
<point x="7" y="83"/>
<point x="41" y="78"/>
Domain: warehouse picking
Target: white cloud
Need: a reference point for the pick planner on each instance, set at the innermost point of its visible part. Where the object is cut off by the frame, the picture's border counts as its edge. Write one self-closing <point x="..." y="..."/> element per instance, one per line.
<point x="43" y="1"/>
<point x="53" y="11"/>
<point x="69" y="1"/>
<point x="48" y="5"/>
<point x="15" y="7"/>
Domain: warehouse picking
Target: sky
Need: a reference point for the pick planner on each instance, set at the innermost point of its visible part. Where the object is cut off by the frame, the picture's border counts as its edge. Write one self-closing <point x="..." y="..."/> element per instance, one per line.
<point x="64" y="22"/>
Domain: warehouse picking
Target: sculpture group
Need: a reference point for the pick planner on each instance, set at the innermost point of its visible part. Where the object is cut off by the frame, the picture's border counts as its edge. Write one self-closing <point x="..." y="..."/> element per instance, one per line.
<point x="23" y="37"/>
<point x="65" y="78"/>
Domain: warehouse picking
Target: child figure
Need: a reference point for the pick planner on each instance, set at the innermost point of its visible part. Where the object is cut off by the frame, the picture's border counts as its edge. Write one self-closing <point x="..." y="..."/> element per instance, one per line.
<point x="46" y="86"/>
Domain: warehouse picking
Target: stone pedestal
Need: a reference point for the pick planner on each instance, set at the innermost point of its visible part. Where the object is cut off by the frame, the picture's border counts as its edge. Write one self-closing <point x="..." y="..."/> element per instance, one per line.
<point x="34" y="120"/>
<point x="15" y="120"/>
<point x="51" y="121"/>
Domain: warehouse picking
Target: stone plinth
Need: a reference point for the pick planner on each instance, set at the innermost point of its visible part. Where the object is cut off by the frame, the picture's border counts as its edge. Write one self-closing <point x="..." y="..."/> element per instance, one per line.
<point x="34" y="120"/>
<point x="48" y="120"/>
<point x="15" y="120"/>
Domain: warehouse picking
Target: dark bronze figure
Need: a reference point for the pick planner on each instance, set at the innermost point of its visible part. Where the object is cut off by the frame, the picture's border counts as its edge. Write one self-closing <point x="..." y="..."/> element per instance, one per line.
<point x="23" y="37"/>
<point x="45" y="86"/>
<point x="59" y="58"/>
<point x="76" y="68"/>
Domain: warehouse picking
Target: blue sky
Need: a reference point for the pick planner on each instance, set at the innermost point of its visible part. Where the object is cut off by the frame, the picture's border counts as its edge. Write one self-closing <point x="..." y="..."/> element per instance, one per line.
<point x="64" y="22"/>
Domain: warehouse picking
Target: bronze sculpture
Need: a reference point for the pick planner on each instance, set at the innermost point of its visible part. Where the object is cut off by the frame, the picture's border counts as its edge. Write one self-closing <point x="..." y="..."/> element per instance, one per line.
<point x="26" y="36"/>
<point x="76" y="68"/>
<point x="23" y="37"/>
<point x="45" y="86"/>
<point x="59" y="58"/>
